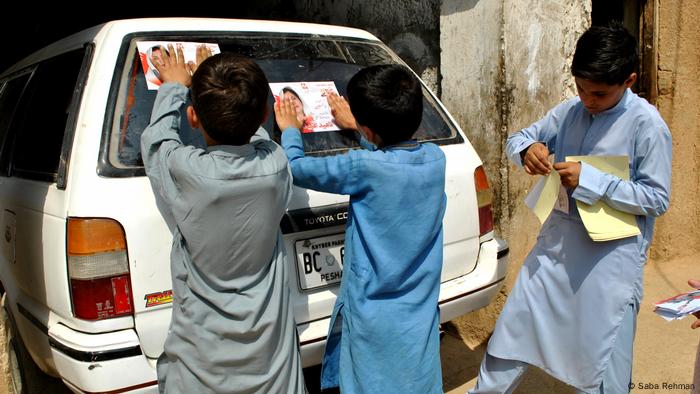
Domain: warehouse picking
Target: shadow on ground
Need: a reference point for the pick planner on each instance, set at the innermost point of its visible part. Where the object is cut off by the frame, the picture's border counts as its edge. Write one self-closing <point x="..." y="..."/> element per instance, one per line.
<point x="460" y="368"/>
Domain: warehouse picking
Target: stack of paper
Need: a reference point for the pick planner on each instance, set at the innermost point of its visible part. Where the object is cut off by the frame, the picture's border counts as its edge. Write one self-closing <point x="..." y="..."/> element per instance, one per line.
<point x="679" y="306"/>
<point x="543" y="195"/>
<point x="603" y="222"/>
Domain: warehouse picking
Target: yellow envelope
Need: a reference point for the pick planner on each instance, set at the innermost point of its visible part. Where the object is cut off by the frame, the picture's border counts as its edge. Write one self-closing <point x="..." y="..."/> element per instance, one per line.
<point x="602" y="222"/>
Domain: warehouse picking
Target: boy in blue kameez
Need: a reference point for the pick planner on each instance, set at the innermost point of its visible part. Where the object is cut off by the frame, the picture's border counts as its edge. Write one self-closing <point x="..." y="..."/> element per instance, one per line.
<point x="384" y="331"/>
<point x="573" y="309"/>
<point x="232" y="328"/>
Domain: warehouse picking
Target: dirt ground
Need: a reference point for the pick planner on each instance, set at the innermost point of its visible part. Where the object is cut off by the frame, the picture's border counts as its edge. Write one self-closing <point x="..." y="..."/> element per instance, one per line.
<point x="664" y="351"/>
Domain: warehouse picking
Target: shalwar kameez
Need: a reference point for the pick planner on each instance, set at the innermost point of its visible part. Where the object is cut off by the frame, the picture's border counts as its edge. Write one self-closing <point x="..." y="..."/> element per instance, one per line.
<point x="573" y="307"/>
<point x="232" y="328"/>
<point x="384" y="331"/>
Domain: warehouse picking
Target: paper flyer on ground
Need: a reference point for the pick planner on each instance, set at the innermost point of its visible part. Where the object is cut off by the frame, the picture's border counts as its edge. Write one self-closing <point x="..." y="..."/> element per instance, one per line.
<point x="310" y="100"/>
<point x="149" y="50"/>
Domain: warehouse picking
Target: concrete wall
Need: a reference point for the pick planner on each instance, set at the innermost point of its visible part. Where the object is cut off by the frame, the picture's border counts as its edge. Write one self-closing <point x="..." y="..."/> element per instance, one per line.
<point x="538" y="53"/>
<point x="473" y="81"/>
<point x="504" y="64"/>
<point x="410" y="28"/>
<point x="678" y="232"/>
<point x="474" y="91"/>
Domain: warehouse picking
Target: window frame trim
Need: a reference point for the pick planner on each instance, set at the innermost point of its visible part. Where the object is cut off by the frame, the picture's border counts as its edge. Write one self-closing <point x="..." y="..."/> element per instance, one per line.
<point x="73" y="114"/>
<point x="6" y="158"/>
<point x="106" y="169"/>
<point x="60" y="177"/>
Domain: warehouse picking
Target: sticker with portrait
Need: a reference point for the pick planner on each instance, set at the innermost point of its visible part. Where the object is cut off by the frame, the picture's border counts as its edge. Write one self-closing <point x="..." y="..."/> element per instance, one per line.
<point x="151" y="50"/>
<point x="309" y="98"/>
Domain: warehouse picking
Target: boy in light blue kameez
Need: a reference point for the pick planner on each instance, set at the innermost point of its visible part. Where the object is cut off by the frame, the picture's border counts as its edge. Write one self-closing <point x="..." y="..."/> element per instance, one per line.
<point x="384" y="334"/>
<point x="573" y="309"/>
<point x="232" y="328"/>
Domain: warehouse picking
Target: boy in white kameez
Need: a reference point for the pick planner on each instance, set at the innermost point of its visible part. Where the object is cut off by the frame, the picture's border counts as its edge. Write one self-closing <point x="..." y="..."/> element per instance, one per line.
<point x="232" y="328"/>
<point x="573" y="309"/>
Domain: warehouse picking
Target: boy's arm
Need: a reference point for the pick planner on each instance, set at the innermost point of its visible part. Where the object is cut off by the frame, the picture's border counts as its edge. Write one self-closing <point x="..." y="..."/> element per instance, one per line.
<point x="331" y="174"/>
<point x="160" y="139"/>
<point x="543" y="131"/>
<point x="648" y="193"/>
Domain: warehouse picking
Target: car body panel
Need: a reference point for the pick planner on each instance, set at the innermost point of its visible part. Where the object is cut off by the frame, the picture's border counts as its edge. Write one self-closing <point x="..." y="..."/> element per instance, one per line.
<point x="34" y="272"/>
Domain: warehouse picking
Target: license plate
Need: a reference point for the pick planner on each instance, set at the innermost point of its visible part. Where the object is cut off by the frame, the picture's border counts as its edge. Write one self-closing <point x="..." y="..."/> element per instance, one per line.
<point x="320" y="261"/>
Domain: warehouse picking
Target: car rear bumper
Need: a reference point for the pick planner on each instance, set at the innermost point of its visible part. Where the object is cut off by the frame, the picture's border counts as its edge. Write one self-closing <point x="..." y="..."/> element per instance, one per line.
<point x="98" y="363"/>
<point x="457" y="296"/>
<point x="478" y="288"/>
<point x="113" y="362"/>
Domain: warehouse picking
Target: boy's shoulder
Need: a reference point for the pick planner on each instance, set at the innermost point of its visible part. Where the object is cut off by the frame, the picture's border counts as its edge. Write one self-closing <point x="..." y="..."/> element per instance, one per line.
<point x="410" y="152"/>
<point x="258" y="158"/>
<point x="265" y="146"/>
<point x="645" y="114"/>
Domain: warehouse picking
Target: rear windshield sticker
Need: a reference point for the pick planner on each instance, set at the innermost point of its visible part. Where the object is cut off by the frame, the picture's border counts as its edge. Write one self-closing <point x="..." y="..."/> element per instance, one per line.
<point x="309" y="99"/>
<point x="149" y="51"/>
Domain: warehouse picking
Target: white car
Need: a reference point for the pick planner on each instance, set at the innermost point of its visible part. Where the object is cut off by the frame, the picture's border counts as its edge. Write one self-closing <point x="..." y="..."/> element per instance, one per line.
<point x="84" y="260"/>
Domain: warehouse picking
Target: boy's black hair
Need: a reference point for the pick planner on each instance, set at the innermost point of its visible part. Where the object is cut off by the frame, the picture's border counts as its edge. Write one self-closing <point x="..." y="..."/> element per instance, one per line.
<point x="389" y="100"/>
<point x="229" y="95"/>
<point x="605" y="54"/>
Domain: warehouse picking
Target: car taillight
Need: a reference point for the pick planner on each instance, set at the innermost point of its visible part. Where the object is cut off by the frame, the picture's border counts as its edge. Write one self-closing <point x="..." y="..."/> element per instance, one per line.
<point x="98" y="268"/>
<point x="483" y="198"/>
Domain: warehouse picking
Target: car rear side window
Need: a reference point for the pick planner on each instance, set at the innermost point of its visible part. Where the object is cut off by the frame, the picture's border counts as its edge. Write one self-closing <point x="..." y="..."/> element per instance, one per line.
<point x="35" y="134"/>
<point x="10" y="93"/>
<point x="283" y="58"/>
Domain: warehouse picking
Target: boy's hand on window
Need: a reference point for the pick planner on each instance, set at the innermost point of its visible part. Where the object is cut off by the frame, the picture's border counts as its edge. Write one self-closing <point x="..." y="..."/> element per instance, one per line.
<point x="203" y="52"/>
<point x="536" y="160"/>
<point x="342" y="116"/>
<point x="569" y="172"/>
<point x="172" y="67"/>
<point x="286" y="115"/>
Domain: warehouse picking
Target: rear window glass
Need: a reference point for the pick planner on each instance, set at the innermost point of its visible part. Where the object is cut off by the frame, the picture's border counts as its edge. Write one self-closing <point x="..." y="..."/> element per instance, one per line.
<point x="39" y="121"/>
<point x="283" y="58"/>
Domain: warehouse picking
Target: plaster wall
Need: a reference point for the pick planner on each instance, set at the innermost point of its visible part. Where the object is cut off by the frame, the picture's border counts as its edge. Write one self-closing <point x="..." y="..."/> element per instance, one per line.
<point x="410" y="28"/>
<point x="677" y="232"/>
<point x="538" y="52"/>
<point x="504" y="64"/>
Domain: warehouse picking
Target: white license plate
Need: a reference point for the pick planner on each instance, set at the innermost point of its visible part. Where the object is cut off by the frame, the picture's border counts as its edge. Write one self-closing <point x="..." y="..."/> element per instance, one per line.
<point x="320" y="261"/>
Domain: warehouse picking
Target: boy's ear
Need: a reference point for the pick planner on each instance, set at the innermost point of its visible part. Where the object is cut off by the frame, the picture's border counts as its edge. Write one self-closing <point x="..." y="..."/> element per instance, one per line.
<point x="370" y="135"/>
<point x="192" y="118"/>
<point x="630" y="80"/>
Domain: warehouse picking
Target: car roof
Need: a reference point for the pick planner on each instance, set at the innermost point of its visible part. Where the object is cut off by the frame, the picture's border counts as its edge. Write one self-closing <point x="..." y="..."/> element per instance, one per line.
<point x="144" y="25"/>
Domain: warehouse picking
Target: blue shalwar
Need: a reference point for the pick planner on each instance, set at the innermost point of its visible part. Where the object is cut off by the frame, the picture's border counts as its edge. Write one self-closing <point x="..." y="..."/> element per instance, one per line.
<point x="384" y="335"/>
<point x="232" y="328"/>
<point x="575" y="300"/>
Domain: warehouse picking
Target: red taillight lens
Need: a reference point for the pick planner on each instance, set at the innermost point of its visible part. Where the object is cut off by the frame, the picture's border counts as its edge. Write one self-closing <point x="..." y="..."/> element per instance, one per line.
<point x="483" y="198"/>
<point x="98" y="268"/>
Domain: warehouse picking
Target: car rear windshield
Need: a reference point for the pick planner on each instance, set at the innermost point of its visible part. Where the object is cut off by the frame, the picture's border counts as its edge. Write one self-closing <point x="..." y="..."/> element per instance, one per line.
<point x="285" y="58"/>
